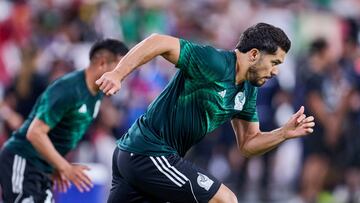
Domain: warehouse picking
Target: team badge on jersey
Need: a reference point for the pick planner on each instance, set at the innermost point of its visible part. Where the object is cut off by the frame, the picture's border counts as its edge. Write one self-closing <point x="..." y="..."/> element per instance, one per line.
<point x="204" y="181"/>
<point x="239" y="101"/>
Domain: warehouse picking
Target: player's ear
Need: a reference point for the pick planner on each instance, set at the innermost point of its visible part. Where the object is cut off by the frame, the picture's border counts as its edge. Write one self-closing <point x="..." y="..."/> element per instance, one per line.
<point x="254" y="55"/>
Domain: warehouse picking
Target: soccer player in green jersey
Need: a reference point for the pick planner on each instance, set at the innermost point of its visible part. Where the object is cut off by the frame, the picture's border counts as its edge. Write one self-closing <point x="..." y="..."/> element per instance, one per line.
<point x="211" y="87"/>
<point x="56" y="124"/>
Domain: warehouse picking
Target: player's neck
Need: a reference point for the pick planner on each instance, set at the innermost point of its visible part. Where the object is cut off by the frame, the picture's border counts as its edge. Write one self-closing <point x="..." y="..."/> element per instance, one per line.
<point x="241" y="67"/>
<point x="90" y="81"/>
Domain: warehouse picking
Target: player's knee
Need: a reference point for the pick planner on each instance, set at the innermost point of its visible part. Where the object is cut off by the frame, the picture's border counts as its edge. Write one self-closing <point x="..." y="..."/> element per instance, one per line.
<point x="224" y="195"/>
<point x="231" y="198"/>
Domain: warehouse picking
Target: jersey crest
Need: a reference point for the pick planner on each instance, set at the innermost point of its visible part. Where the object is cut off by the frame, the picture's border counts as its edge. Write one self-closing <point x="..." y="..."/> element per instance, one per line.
<point x="239" y="101"/>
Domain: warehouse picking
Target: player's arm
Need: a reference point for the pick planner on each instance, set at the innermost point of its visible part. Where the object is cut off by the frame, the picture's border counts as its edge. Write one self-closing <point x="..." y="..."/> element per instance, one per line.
<point x="251" y="141"/>
<point x="38" y="136"/>
<point x="146" y="50"/>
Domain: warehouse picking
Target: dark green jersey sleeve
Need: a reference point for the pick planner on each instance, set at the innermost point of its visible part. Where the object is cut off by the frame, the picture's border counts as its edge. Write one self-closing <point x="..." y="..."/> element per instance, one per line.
<point x="201" y="63"/>
<point x="249" y="112"/>
<point x="53" y="105"/>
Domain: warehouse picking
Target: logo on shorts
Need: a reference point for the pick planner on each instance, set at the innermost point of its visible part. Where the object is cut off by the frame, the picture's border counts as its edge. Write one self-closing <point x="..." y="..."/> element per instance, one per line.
<point x="204" y="181"/>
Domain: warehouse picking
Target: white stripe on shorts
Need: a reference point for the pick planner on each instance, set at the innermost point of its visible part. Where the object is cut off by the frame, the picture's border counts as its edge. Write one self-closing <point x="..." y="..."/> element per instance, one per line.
<point x="22" y="170"/>
<point x="180" y="174"/>
<point x="17" y="177"/>
<point x="165" y="173"/>
<point x="14" y="174"/>
<point x="173" y="168"/>
<point x="170" y="171"/>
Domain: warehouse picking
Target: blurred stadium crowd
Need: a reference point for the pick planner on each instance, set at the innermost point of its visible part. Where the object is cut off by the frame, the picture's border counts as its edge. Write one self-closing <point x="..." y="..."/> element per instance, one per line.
<point x="42" y="40"/>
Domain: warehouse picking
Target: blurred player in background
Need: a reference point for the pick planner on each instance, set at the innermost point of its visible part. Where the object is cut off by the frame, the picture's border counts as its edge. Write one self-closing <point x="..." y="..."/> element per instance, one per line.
<point x="326" y="96"/>
<point x="211" y="87"/>
<point x="56" y="124"/>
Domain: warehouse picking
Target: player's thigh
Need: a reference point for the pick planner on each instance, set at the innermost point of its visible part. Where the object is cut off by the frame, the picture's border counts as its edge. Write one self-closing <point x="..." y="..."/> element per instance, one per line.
<point x="202" y="184"/>
<point x="121" y="190"/>
<point x="224" y="195"/>
<point x="168" y="178"/>
<point x="21" y="181"/>
<point x="5" y="177"/>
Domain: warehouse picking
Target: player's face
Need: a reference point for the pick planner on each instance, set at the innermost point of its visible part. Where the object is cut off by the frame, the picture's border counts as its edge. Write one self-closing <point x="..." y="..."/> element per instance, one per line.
<point x="265" y="67"/>
<point x="112" y="61"/>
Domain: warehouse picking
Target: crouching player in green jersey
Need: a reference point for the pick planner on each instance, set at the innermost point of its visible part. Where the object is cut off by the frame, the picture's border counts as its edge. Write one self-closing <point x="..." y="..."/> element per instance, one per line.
<point x="57" y="122"/>
<point x="211" y="87"/>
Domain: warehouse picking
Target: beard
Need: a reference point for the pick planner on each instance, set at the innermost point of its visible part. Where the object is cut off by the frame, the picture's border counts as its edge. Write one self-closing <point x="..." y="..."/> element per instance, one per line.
<point x="254" y="78"/>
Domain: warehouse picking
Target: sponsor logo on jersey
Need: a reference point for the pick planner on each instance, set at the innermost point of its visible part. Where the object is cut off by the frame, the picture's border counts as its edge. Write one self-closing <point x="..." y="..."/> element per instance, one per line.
<point x="222" y="93"/>
<point x="204" y="181"/>
<point x="83" y="108"/>
<point x="239" y="101"/>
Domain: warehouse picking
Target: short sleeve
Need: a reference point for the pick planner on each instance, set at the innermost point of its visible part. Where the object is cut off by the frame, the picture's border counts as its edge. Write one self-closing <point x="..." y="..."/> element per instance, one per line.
<point x="199" y="62"/>
<point x="249" y="112"/>
<point x="53" y="104"/>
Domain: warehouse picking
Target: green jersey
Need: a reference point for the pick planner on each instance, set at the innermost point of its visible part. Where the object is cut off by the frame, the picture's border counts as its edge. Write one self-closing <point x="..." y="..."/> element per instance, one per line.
<point x="68" y="108"/>
<point x="201" y="96"/>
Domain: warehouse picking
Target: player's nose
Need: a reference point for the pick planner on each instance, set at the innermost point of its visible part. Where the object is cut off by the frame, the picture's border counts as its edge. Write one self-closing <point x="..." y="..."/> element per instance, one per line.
<point x="274" y="72"/>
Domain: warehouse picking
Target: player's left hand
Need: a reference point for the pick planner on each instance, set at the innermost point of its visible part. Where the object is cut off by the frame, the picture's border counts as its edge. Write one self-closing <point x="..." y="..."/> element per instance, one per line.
<point x="298" y="125"/>
<point x="61" y="183"/>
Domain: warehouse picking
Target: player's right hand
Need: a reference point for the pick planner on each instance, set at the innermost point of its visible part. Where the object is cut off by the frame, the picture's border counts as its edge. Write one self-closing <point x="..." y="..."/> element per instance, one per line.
<point x="76" y="174"/>
<point x="109" y="83"/>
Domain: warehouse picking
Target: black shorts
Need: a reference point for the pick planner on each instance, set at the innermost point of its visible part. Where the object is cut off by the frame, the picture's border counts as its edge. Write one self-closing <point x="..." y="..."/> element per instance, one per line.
<point x="21" y="181"/>
<point x="138" y="178"/>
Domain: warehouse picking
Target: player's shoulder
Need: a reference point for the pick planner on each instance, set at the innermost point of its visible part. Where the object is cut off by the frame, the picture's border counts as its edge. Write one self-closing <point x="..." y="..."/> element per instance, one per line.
<point x="196" y="48"/>
<point x="216" y="61"/>
<point x="67" y="85"/>
<point x="69" y="80"/>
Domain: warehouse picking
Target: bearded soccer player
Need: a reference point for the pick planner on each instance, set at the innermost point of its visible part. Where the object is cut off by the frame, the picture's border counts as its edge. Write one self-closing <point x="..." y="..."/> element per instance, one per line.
<point x="211" y="87"/>
<point x="56" y="124"/>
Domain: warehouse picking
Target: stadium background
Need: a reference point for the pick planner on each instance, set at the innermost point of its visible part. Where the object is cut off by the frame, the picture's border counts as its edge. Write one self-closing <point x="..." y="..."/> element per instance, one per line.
<point x="42" y="40"/>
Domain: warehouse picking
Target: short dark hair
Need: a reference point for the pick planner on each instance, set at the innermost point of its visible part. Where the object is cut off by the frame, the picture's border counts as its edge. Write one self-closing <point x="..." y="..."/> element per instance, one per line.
<point x="114" y="46"/>
<point x="264" y="37"/>
<point x="318" y="45"/>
